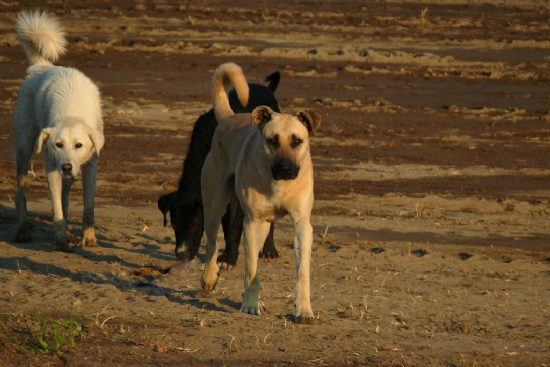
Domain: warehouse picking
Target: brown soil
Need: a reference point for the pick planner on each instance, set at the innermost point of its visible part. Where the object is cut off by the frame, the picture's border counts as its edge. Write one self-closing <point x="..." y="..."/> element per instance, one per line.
<point x="432" y="188"/>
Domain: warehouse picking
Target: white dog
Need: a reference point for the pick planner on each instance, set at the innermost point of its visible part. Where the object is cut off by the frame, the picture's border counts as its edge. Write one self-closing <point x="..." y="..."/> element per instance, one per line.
<point x="58" y="111"/>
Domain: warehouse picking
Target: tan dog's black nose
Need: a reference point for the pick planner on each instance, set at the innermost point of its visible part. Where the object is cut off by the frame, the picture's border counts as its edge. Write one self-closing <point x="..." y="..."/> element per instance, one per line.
<point x="67" y="168"/>
<point x="285" y="171"/>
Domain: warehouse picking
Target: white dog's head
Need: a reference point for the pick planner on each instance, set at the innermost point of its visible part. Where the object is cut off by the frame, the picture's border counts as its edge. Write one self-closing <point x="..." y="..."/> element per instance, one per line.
<point x="70" y="145"/>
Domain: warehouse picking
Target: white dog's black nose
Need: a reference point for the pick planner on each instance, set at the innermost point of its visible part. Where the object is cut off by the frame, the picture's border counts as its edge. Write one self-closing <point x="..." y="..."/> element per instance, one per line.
<point x="67" y="168"/>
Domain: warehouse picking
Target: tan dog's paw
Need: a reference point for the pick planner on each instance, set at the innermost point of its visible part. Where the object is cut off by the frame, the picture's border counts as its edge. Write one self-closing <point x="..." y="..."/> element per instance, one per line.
<point x="256" y="309"/>
<point x="252" y="305"/>
<point x="209" y="279"/>
<point x="208" y="286"/>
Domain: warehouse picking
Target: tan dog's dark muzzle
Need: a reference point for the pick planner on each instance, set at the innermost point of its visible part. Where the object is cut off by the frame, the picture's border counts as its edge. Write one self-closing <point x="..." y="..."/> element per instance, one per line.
<point x="284" y="171"/>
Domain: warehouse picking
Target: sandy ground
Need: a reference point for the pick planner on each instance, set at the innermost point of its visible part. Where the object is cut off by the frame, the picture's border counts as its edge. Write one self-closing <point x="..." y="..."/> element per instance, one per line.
<point x="431" y="218"/>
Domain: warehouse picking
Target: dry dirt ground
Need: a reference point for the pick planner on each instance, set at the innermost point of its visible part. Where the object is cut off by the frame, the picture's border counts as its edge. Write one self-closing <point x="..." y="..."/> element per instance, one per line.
<point x="432" y="188"/>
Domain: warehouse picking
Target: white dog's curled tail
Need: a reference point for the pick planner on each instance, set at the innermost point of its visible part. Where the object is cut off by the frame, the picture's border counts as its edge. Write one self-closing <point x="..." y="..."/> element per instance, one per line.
<point x="41" y="37"/>
<point x="226" y="76"/>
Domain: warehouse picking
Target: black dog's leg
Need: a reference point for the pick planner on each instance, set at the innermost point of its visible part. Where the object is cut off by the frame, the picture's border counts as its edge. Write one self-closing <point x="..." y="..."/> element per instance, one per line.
<point x="232" y="224"/>
<point x="269" y="251"/>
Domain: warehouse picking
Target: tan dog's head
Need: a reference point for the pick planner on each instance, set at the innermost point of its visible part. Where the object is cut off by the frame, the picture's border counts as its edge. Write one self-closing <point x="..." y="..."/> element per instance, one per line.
<point x="286" y="139"/>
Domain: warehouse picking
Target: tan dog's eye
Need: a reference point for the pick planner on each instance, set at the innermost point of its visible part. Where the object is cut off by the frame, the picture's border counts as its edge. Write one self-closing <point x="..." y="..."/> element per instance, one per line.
<point x="274" y="141"/>
<point x="59" y="145"/>
<point x="78" y="145"/>
<point x="296" y="142"/>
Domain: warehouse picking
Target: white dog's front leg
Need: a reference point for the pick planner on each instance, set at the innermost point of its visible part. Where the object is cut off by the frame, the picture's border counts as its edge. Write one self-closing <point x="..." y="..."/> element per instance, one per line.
<point x="55" y="185"/>
<point x="23" y="224"/>
<point x="23" y="153"/>
<point x="89" y="177"/>
<point x="254" y="235"/>
<point x="303" y="238"/>
<point x="67" y="184"/>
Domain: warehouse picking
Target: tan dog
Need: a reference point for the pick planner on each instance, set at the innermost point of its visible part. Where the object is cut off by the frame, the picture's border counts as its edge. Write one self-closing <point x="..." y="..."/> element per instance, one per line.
<point x="264" y="158"/>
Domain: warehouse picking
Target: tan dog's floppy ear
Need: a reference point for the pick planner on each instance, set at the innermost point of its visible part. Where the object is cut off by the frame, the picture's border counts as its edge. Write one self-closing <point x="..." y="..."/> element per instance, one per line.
<point x="310" y="119"/>
<point x="261" y="116"/>
<point x="42" y="138"/>
<point x="97" y="139"/>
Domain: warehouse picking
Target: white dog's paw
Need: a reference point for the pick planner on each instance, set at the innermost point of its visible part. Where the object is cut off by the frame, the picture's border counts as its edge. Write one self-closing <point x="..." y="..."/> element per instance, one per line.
<point x="304" y="315"/>
<point x="62" y="244"/>
<point x="23" y="233"/>
<point x="88" y="238"/>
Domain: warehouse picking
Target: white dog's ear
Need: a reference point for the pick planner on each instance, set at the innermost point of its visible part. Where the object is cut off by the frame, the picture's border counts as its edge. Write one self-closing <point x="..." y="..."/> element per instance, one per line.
<point x="261" y="116"/>
<point x="42" y="138"/>
<point x="97" y="139"/>
<point x="310" y="119"/>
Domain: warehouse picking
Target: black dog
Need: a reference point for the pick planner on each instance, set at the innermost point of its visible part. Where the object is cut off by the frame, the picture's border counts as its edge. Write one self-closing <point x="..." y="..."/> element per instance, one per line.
<point x="185" y="204"/>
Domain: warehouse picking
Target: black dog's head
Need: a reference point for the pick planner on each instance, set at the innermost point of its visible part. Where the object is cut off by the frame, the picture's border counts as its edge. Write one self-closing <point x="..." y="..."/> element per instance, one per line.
<point x="186" y="218"/>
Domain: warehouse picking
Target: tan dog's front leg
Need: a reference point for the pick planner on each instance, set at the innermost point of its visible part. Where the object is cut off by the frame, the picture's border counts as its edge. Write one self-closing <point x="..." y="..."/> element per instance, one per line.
<point x="213" y="212"/>
<point x="209" y="277"/>
<point x="216" y="195"/>
<point x="303" y="238"/>
<point x="89" y="176"/>
<point x="254" y="235"/>
<point x="59" y="222"/>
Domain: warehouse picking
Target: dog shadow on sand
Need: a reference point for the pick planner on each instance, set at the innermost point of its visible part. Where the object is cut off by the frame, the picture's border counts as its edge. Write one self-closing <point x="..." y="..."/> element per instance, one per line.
<point x="43" y="238"/>
<point x="144" y="284"/>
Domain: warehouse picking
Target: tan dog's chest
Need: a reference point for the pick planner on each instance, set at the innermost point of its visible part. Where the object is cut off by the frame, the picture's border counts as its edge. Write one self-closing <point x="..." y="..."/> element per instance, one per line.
<point x="273" y="201"/>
